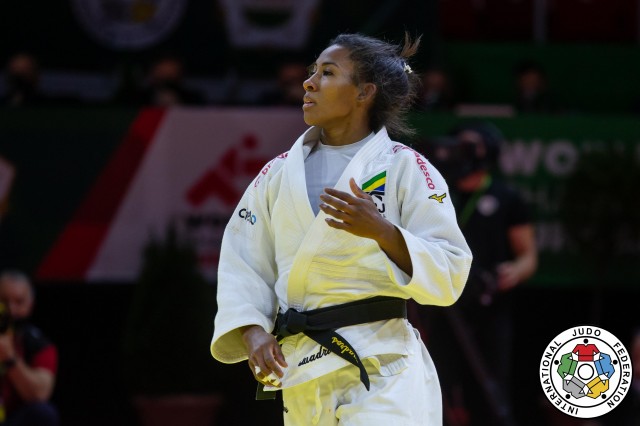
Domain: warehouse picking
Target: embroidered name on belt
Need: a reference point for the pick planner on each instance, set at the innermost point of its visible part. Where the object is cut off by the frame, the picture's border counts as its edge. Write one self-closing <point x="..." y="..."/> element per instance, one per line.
<point x="343" y="347"/>
<point x="320" y="325"/>
<point x="337" y="344"/>
<point x="314" y="357"/>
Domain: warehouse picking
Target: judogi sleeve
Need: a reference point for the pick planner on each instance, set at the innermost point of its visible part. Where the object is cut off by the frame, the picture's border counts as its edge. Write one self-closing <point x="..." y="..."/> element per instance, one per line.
<point x="440" y="256"/>
<point x="246" y="275"/>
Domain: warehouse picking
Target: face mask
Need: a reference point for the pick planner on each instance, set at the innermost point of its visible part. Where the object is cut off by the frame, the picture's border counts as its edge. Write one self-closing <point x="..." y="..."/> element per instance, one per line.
<point x="454" y="159"/>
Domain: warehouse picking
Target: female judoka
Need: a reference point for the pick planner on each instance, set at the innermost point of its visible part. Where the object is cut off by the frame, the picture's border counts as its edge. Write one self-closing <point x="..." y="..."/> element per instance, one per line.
<point x="328" y="243"/>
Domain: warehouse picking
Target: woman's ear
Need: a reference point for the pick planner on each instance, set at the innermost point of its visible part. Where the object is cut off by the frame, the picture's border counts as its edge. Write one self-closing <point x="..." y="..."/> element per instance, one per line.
<point x="367" y="92"/>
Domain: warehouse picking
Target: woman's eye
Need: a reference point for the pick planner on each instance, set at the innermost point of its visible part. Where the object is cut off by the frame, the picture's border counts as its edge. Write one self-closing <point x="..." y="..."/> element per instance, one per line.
<point x="326" y="72"/>
<point x="311" y="70"/>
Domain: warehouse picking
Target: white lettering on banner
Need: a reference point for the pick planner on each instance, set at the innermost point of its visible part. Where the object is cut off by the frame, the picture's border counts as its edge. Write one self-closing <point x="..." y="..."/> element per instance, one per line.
<point x="550" y="237"/>
<point x="542" y="197"/>
<point x="521" y="158"/>
<point x="561" y="157"/>
<point x="558" y="157"/>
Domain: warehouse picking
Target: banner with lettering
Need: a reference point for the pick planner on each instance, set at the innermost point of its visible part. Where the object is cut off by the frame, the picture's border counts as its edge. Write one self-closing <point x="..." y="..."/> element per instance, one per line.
<point x="541" y="158"/>
<point x="92" y="186"/>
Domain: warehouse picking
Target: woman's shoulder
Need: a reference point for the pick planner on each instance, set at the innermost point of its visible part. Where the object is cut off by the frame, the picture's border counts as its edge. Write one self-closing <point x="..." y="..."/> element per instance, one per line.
<point x="408" y="158"/>
<point x="405" y="152"/>
<point x="410" y="163"/>
<point x="270" y="169"/>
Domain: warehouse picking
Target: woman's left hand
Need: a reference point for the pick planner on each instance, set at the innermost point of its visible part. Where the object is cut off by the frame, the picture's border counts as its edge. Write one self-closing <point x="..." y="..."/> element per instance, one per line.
<point x="358" y="214"/>
<point x="355" y="213"/>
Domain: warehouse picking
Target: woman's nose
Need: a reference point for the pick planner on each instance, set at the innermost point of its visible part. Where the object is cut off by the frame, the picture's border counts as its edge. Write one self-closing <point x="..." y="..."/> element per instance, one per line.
<point x="309" y="85"/>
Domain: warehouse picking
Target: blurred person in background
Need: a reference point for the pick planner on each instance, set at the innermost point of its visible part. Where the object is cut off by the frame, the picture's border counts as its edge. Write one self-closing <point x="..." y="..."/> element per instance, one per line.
<point x="10" y="243"/>
<point x="289" y="91"/>
<point x="22" y="79"/>
<point x="498" y="227"/>
<point x="532" y="89"/>
<point x="28" y="360"/>
<point x="436" y="93"/>
<point x="165" y="85"/>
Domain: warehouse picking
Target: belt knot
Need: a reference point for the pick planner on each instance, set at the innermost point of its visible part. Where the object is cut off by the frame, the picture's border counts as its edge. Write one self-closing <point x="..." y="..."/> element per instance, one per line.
<point x="291" y="322"/>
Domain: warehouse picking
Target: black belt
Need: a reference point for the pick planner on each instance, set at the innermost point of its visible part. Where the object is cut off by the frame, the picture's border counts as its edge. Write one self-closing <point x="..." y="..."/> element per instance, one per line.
<point x="320" y="325"/>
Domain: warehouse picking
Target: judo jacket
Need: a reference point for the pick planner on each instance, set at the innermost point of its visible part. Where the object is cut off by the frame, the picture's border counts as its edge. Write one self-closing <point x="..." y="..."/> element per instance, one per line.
<point x="276" y="254"/>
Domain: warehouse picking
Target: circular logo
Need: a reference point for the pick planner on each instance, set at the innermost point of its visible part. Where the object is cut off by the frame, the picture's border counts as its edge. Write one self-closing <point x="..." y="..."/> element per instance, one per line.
<point x="585" y="371"/>
<point x="129" y="24"/>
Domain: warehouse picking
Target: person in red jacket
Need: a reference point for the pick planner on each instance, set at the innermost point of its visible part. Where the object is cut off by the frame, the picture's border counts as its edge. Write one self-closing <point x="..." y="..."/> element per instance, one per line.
<point x="28" y="360"/>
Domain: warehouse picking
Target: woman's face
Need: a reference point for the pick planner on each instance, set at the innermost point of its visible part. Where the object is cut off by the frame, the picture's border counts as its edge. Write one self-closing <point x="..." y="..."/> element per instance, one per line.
<point x="331" y="97"/>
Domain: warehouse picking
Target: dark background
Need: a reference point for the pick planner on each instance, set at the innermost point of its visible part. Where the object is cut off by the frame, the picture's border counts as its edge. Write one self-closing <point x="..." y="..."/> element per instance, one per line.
<point x="86" y="321"/>
<point x="593" y="61"/>
<point x="50" y="30"/>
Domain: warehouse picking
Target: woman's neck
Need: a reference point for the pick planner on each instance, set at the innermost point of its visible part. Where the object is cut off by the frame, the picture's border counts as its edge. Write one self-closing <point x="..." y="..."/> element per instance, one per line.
<point x="343" y="136"/>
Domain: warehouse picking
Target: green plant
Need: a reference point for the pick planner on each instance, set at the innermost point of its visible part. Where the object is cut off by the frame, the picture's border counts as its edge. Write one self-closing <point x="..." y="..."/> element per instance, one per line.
<point x="170" y="321"/>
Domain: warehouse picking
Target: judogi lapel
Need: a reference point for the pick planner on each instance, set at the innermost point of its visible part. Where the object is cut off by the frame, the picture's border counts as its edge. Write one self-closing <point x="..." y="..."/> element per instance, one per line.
<point x="294" y="173"/>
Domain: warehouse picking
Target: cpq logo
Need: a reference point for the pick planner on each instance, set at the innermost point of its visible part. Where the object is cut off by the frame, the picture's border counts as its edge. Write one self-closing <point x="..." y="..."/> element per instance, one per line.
<point x="585" y="372"/>
<point x="248" y="216"/>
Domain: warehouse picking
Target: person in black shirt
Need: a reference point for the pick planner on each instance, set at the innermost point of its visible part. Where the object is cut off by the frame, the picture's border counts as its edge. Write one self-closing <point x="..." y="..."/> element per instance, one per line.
<point x="532" y="90"/>
<point x="436" y="93"/>
<point x="28" y="359"/>
<point x="475" y="340"/>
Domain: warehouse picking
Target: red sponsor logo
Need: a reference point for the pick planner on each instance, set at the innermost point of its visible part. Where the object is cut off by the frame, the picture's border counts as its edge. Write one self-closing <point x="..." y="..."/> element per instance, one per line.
<point x="266" y="168"/>
<point x="219" y="181"/>
<point x="422" y="164"/>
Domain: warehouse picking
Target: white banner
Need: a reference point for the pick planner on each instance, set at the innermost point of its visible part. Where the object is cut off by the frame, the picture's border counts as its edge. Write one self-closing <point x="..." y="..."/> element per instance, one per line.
<point x="194" y="173"/>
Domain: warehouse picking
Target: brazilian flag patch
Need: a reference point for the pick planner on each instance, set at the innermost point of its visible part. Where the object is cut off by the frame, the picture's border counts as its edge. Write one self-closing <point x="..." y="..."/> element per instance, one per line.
<point x="375" y="185"/>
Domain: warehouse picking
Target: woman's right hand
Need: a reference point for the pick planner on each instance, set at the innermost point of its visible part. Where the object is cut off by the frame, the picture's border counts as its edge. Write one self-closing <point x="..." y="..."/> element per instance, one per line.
<point x="265" y="354"/>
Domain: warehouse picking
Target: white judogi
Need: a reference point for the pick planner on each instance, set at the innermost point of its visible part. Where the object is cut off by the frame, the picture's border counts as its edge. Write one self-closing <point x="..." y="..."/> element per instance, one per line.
<point x="277" y="254"/>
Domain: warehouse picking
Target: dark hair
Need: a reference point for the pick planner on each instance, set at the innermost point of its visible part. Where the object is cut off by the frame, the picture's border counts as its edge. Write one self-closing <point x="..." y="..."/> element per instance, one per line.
<point x="385" y="65"/>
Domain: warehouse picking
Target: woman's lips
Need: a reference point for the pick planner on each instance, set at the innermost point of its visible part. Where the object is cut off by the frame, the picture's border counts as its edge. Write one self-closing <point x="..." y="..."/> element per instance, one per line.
<point x="308" y="102"/>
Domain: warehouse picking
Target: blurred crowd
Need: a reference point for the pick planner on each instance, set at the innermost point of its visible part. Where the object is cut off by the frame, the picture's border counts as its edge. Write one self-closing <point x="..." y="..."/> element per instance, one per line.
<point x="166" y="82"/>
